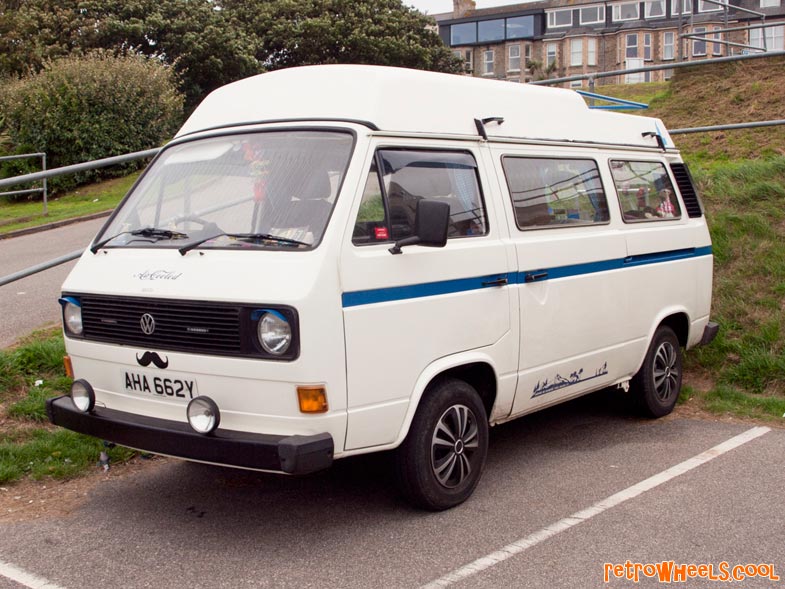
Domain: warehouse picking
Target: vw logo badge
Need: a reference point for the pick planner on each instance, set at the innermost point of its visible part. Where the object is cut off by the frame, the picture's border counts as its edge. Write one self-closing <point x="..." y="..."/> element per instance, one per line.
<point x="147" y="323"/>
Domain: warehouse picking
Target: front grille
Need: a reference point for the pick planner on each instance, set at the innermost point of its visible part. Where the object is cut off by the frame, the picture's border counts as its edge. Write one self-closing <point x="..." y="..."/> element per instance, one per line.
<point x="188" y="326"/>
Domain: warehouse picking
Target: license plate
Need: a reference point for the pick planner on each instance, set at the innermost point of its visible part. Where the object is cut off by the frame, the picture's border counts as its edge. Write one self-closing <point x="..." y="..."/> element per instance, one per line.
<point x="160" y="386"/>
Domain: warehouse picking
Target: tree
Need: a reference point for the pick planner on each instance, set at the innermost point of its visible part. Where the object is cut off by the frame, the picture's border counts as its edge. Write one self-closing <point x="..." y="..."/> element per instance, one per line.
<point x="191" y="35"/>
<point x="305" y="32"/>
<point x="210" y="43"/>
<point x="66" y="111"/>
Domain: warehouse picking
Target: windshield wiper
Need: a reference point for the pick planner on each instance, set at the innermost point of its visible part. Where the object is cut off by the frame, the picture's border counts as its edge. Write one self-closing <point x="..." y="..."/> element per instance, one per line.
<point x="255" y="236"/>
<point x="149" y="232"/>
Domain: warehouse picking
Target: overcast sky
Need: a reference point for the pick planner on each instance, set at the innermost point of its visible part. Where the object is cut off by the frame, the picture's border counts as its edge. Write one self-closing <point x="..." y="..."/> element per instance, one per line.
<point x="437" y="6"/>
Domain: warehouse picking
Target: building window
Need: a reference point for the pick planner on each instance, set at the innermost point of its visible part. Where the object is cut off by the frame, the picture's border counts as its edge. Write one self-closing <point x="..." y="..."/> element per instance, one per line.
<point x="463" y="34"/>
<point x="667" y="46"/>
<point x="769" y="3"/>
<point x="576" y="52"/>
<point x="716" y="48"/>
<point x="556" y="193"/>
<point x="591" y="15"/>
<point x="520" y="27"/>
<point x="514" y="58"/>
<point x="675" y="4"/>
<point x="487" y="62"/>
<point x="527" y="54"/>
<point x="490" y="30"/>
<point x="706" y="6"/>
<point x="550" y="49"/>
<point x="560" y="18"/>
<point x="466" y="56"/>
<point x="631" y="46"/>
<point x="576" y="84"/>
<point x="699" y="45"/>
<point x="591" y="51"/>
<point x="655" y="8"/>
<point x="647" y="46"/>
<point x="775" y="37"/>
<point x="627" y="11"/>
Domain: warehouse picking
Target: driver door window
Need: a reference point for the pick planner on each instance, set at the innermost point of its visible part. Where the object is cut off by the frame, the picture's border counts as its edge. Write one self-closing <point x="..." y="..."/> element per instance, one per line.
<point x="399" y="178"/>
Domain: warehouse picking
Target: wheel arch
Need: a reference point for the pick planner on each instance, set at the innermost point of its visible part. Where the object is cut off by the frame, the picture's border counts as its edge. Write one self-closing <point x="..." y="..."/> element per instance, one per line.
<point x="478" y="370"/>
<point x="679" y="322"/>
<point x="677" y="319"/>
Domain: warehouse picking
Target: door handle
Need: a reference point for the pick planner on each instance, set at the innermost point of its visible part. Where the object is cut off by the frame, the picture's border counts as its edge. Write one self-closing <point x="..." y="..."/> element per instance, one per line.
<point x="501" y="281"/>
<point x="535" y="276"/>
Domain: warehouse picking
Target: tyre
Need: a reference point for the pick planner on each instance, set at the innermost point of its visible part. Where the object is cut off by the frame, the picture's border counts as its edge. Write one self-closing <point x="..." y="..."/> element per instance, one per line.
<point x="657" y="384"/>
<point x="442" y="458"/>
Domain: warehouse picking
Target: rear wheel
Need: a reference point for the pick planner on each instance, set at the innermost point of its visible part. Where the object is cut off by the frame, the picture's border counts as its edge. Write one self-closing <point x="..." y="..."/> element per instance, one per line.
<point x="442" y="458"/>
<point x="657" y="384"/>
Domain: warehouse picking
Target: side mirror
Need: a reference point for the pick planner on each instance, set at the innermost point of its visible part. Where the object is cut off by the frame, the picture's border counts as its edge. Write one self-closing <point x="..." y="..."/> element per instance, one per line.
<point x="431" y="221"/>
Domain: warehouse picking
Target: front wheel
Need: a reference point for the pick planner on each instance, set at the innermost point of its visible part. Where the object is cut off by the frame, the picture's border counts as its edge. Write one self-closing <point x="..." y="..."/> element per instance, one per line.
<point x="442" y="458"/>
<point x="657" y="384"/>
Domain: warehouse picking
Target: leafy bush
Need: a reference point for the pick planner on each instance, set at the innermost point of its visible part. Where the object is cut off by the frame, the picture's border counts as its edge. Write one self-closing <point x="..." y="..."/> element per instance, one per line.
<point x="79" y="109"/>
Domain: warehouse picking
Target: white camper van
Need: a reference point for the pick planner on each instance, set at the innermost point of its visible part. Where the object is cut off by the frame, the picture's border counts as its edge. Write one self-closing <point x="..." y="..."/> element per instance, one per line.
<point x="335" y="260"/>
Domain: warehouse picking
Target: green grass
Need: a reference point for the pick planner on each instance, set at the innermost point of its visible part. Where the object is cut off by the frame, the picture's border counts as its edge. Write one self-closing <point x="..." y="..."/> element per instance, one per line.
<point x="745" y="201"/>
<point x="57" y="454"/>
<point x="95" y="198"/>
<point x="724" y="399"/>
<point x="30" y="447"/>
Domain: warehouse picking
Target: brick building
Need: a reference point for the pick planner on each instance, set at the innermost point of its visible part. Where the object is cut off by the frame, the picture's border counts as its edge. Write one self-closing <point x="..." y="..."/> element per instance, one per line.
<point x="556" y="38"/>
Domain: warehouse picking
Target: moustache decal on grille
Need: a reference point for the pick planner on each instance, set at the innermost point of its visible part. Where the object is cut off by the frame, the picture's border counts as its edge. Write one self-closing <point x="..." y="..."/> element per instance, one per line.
<point x="152" y="358"/>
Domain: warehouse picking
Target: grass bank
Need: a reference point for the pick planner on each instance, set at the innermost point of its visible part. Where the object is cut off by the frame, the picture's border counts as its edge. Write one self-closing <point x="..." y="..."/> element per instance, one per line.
<point x="745" y="365"/>
<point x="94" y="198"/>
<point x="29" y="446"/>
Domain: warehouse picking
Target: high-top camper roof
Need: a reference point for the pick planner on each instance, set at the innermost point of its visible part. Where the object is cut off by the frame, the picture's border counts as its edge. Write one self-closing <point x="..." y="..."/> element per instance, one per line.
<point x="413" y="101"/>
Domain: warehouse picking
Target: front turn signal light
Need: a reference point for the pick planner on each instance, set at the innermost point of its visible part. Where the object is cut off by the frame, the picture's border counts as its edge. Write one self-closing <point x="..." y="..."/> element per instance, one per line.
<point x="312" y="399"/>
<point x="69" y="368"/>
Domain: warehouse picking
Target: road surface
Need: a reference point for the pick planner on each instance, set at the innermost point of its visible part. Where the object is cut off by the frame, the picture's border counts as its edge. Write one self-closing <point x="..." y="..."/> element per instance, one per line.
<point x="31" y="303"/>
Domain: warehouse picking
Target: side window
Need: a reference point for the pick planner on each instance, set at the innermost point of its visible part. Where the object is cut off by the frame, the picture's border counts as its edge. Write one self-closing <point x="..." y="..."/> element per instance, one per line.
<point x="399" y="178"/>
<point x="645" y="191"/>
<point x="550" y="192"/>
<point x="371" y="225"/>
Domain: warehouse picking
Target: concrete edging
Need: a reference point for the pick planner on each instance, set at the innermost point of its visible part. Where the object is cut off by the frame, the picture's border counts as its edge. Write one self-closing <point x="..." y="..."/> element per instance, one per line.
<point x="54" y="225"/>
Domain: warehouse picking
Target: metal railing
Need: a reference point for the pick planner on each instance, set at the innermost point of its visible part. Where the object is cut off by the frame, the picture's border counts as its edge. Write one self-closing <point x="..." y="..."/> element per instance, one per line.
<point x="43" y="175"/>
<point x="652" y="68"/>
<point x="43" y="189"/>
<point x="73" y="169"/>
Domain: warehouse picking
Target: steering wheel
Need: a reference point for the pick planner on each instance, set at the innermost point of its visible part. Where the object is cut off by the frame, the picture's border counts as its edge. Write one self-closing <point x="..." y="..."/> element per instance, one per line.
<point x="192" y="219"/>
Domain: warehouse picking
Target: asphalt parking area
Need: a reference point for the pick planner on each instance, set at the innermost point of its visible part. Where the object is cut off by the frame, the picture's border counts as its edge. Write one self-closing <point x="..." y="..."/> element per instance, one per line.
<point x="188" y="525"/>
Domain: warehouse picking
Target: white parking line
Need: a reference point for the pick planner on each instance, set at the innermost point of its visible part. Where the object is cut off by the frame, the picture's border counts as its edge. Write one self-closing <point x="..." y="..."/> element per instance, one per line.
<point x="24" y="578"/>
<point x="523" y="544"/>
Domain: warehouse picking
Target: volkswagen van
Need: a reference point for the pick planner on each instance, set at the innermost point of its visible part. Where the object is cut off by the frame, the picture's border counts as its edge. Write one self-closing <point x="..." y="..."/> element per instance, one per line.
<point x="336" y="260"/>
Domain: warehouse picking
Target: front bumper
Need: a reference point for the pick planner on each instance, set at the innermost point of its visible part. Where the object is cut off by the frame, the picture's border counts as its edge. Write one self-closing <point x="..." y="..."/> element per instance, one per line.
<point x="289" y="454"/>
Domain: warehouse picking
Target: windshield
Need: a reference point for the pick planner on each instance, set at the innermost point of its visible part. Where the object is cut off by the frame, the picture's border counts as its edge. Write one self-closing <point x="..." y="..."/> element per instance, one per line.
<point x="270" y="190"/>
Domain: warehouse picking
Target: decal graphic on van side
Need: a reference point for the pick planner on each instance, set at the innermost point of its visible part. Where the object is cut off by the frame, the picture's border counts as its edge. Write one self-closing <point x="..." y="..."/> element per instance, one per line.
<point x="559" y="382"/>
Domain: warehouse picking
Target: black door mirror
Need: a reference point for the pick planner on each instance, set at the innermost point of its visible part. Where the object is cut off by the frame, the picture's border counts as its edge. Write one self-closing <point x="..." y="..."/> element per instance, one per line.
<point x="431" y="221"/>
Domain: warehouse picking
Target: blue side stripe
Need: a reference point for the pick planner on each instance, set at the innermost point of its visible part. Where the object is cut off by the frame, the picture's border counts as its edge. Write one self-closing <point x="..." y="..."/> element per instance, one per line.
<point x="414" y="291"/>
<point x="428" y="289"/>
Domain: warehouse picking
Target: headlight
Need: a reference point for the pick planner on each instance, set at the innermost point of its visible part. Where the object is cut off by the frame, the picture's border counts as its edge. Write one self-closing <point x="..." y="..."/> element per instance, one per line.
<point x="82" y="395"/>
<point x="72" y="316"/>
<point x="275" y="333"/>
<point x="203" y="415"/>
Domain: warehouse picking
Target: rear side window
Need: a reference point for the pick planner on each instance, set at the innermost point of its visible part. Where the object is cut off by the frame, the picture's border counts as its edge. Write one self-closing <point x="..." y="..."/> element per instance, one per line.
<point x="551" y="192"/>
<point x="399" y="178"/>
<point x="645" y="191"/>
